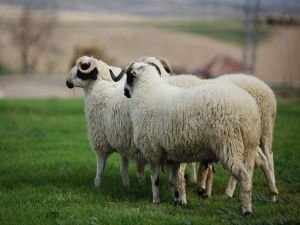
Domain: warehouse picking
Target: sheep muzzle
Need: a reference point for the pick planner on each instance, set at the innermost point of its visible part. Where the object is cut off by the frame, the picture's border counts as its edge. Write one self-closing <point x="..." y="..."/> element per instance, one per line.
<point x="69" y="84"/>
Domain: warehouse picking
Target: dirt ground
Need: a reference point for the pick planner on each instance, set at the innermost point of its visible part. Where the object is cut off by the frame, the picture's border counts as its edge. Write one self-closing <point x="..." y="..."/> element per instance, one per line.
<point x="278" y="58"/>
<point x="39" y="86"/>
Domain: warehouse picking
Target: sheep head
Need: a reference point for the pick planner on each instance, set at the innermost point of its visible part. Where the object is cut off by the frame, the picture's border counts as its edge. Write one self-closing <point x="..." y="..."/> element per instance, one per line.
<point x="87" y="70"/>
<point x="135" y="71"/>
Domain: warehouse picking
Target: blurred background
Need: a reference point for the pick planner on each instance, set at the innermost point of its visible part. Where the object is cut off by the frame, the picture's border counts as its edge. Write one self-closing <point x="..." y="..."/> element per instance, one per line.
<point x="39" y="40"/>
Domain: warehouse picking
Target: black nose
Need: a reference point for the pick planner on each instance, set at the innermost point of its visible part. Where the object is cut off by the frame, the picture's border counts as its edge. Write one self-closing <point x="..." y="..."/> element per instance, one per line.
<point x="69" y="84"/>
<point x="126" y="93"/>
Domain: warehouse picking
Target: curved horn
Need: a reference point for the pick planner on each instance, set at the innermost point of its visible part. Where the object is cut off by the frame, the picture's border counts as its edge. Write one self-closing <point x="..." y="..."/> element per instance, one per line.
<point x="86" y="67"/>
<point x="165" y="64"/>
<point x="117" y="78"/>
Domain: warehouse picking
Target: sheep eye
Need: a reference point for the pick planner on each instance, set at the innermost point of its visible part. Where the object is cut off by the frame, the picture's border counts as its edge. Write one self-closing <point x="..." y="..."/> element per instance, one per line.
<point x="132" y="74"/>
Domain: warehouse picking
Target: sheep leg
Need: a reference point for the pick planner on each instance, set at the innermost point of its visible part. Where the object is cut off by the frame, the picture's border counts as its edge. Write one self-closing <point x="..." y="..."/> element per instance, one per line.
<point x="181" y="183"/>
<point x="210" y="179"/>
<point x="243" y="174"/>
<point x="246" y="184"/>
<point x="177" y="182"/>
<point x="230" y="187"/>
<point x="173" y="179"/>
<point x="266" y="144"/>
<point x="193" y="178"/>
<point x="124" y="171"/>
<point x="140" y="170"/>
<point x="274" y="197"/>
<point x="262" y="161"/>
<point x="201" y="180"/>
<point x="155" y="182"/>
<point x="101" y="160"/>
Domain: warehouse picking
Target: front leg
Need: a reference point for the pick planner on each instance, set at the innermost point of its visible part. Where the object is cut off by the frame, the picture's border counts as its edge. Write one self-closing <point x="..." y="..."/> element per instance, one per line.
<point x="177" y="182"/>
<point x="101" y="160"/>
<point x="202" y="178"/>
<point x="124" y="171"/>
<point x="140" y="164"/>
<point x="155" y="168"/>
<point x="192" y="167"/>
<point x="210" y="179"/>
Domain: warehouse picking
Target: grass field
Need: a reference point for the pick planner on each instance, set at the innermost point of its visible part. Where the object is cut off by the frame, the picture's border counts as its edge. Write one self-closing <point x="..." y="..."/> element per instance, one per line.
<point x="47" y="172"/>
<point x="228" y="31"/>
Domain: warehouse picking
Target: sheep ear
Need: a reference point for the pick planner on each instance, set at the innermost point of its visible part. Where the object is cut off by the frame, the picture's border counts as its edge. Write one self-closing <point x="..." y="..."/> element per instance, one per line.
<point x="106" y="77"/>
<point x="166" y="65"/>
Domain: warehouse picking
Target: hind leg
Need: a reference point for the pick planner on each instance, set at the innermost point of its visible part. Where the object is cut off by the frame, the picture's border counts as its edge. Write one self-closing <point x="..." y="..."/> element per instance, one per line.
<point x="242" y="171"/>
<point x="266" y="145"/>
<point x="246" y="187"/>
<point x="262" y="161"/>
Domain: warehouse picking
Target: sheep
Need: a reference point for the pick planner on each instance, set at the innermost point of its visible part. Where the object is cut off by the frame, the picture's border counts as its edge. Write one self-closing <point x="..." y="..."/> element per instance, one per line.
<point x="266" y="102"/>
<point x="179" y="81"/>
<point x="206" y="123"/>
<point x="267" y="105"/>
<point x="107" y="131"/>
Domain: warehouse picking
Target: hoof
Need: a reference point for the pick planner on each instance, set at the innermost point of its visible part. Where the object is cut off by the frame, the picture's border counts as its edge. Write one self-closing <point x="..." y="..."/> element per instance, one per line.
<point x="126" y="183"/>
<point x="186" y="176"/>
<point x="156" y="202"/>
<point x="201" y="192"/>
<point x="247" y="213"/>
<point x="183" y="202"/>
<point x="176" y="202"/>
<point x="97" y="182"/>
<point x="274" y="198"/>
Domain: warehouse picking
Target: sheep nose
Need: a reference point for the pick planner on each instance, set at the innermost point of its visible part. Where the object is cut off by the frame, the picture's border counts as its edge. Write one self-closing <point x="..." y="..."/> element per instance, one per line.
<point x="126" y="93"/>
<point x="69" y="84"/>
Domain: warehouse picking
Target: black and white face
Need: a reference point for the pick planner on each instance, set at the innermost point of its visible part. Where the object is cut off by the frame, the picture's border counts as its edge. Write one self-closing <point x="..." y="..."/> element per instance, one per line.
<point x="134" y="73"/>
<point x="82" y="73"/>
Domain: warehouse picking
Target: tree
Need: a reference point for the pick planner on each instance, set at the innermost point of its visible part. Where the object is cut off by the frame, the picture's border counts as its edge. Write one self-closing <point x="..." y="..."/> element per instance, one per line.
<point x="31" y="34"/>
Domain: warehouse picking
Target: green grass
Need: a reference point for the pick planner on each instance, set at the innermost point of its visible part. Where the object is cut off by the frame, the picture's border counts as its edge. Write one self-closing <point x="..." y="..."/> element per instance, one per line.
<point x="4" y="70"/>
<point x="47" y="172"/>
<point x="229" y="31"/>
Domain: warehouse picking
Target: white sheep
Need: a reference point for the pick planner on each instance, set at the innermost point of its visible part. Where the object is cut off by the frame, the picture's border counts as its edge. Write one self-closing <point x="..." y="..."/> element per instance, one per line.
<point x="207" y="123"/>
<point x="267" y="105"/>
<point x="106" y="112"/>
<point x="266" y="102"/>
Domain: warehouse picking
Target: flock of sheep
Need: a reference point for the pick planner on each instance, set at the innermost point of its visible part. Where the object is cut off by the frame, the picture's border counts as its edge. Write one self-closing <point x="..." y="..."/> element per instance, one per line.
<point x="156" y="118"/>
